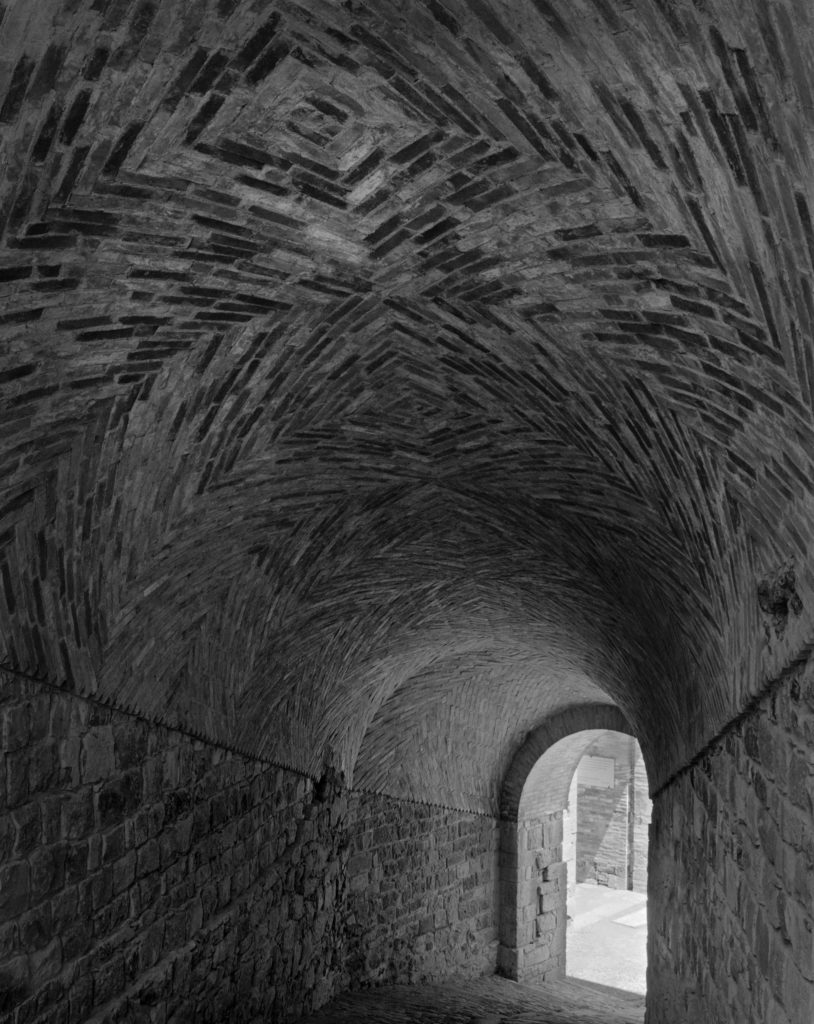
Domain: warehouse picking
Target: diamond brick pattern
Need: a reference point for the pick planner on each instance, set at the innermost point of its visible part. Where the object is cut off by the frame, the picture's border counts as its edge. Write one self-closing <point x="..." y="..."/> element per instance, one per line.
<point x="378" y="379"/>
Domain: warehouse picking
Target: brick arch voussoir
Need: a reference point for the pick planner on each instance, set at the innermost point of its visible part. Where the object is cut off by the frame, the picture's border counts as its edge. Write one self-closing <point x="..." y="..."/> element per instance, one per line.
<point x="565" y="723"/>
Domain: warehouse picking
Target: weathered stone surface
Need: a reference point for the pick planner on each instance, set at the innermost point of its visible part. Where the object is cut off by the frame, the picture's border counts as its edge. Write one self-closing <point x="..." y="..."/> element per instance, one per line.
<point x="534" y="913"/>
<point x="14" y="981"/>
<point x="14" y="888"/>
<point x="99" y="923"/>
<point x="421" y="892"/>
<point x="97" y="758"/>
<point x="731" y="916"/>
<point x="291" y="890"/>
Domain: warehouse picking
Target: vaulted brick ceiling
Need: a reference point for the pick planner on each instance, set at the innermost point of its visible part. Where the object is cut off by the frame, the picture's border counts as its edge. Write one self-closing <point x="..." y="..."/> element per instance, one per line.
<point x="381" y="378"/>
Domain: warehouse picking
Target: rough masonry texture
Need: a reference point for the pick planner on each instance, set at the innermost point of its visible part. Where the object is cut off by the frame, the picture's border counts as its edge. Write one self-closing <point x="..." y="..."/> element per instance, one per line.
<point x="147" y="875"/>
<point x="733" y="846"/>
<point x="534" y="909"/>
<point x="385" y="389"/>
<point x="422" y="892"/>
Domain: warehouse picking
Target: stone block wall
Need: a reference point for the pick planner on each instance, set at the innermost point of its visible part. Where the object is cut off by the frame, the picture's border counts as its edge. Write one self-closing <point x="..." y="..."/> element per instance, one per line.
<point x="731" y="929"/>
<point x="533" y="904"/>
<point x="147" y="876"/>
<point x="422" y="885"/>
<point x="542" y="878"/>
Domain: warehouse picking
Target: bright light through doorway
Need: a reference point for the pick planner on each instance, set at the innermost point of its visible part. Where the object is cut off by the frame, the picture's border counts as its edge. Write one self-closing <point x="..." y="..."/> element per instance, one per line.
<point x="605" y="846"/>
<point x="606" y="941"/>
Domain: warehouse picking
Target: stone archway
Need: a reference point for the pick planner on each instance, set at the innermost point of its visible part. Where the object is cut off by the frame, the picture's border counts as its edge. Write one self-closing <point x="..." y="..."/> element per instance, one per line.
<point x="533" y="892"/>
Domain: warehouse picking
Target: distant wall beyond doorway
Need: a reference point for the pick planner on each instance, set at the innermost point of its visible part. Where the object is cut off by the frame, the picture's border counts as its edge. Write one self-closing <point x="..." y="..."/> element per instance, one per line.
<point x="533" y="870"/>
<point x="609" y="815"/>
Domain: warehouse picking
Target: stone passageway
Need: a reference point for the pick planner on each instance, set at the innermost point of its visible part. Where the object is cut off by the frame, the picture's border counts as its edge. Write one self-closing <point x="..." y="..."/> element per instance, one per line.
<point x="392" y="392"/>
<point x="485" y="1001"/>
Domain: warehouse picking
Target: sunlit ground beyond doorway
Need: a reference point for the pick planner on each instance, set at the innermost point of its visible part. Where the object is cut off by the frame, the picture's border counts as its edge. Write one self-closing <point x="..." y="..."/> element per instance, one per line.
<point x="606" y="940"/>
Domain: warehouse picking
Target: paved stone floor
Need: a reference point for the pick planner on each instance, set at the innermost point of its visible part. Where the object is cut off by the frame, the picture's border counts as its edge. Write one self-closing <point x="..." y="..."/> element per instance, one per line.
<point x="607" y="937"/>
<point x="485" y="1001"/>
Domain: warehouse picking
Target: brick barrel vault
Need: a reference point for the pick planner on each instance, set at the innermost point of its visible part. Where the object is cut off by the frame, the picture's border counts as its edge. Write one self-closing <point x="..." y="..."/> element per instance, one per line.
<point x="378" y="381"/>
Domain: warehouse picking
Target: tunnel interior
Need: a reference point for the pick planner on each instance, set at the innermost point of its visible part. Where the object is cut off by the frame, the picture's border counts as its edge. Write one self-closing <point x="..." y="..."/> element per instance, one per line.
<point x="389" y="391"/>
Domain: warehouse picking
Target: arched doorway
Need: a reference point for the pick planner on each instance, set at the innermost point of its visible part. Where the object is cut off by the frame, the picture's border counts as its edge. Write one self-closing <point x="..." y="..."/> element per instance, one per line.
<point x="533" y="869"/>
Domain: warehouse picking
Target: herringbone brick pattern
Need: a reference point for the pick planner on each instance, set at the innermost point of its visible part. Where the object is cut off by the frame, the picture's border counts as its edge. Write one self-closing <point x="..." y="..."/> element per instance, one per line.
<point x="422" y="368"/>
